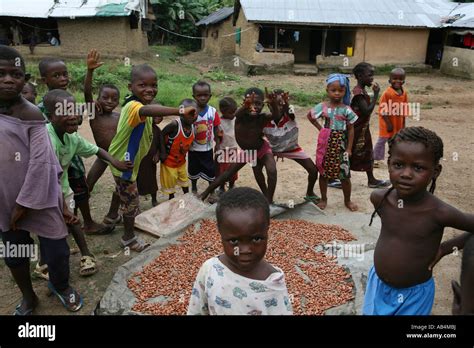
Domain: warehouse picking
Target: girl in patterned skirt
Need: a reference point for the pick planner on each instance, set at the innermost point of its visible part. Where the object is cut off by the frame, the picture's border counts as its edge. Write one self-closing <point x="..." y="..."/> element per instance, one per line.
<point x="335" y="137"/>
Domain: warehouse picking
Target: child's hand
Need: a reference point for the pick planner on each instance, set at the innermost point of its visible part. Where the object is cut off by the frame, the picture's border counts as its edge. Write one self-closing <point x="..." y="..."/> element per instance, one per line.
<point x="18" y="213"/>
<point x="376" y="88"/>
<point x="98" y="108"/>
<point x="348" y="154"/>
<point x="70" y="218"/>
<point x="123" y="166"/>
<point x="284" y="101"/>
<point x="156" y="158"/>
<point x="93" y="60"/>
<point x="270" y="98"/>
<point x="189" y="111"/>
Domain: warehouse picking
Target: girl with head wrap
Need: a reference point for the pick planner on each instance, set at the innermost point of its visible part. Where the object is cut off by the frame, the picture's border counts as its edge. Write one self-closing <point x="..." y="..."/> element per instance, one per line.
<point x="335" y="137"/>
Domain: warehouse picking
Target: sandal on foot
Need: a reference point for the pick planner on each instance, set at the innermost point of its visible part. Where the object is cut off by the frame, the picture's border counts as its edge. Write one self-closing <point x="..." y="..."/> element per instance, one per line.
<point x="110" y="221"/>
<point x="22" y="312"/>
<point x="135" y="244"/>
<point x="335" y="184"/>
<point x="313" y="199"/>
<point x="107" y="229"/>
<point x="88" y="266"/>
<point x="19" y="312"/>
<point x="68" y="301"/>
<point x="41" y="272"/>
<point x="380" y="184"/>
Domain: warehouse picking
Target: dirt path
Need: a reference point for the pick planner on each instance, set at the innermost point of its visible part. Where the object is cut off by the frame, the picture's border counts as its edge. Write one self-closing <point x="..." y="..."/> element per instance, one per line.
<point x="447" y="110"/>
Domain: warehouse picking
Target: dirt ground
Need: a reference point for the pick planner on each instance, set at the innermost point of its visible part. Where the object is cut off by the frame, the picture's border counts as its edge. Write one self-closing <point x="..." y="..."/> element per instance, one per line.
<point x="446" y="108"/>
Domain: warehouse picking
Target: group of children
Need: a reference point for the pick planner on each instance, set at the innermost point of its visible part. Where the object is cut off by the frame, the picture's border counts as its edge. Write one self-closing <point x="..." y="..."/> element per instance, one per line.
<point x="47" y="182"/>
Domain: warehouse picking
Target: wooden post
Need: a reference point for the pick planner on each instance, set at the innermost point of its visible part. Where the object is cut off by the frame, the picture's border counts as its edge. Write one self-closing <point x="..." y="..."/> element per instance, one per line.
<point x="323" y="45"/>
<point x="276" y="39"/>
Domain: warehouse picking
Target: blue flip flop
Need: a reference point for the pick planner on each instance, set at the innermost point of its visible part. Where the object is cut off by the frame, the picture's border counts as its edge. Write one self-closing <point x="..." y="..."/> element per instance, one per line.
<point x="335" y="184"/>
<point x="19" y="312"/>
<point x="65" y="301"/>
<point x="313" y="199"/>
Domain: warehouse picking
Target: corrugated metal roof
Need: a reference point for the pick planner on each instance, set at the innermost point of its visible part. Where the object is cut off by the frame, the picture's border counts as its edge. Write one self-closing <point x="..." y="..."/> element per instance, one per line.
<point x="466" y="11"/>
<point x="93" y="8"/>
<point x="23" y="8"/>
<point x="398" y="13"/>
<point x="71" y="8"/>
<point x="217" y="16"/>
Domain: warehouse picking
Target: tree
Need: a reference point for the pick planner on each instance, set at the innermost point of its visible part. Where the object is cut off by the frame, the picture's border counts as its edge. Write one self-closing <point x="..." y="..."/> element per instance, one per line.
<point x="181" y="16"/>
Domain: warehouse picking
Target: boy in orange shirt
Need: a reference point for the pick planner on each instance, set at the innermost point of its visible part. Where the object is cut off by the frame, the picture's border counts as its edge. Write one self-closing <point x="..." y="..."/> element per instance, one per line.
<point x="393" y="108"/>
<point x="178" y="137"/>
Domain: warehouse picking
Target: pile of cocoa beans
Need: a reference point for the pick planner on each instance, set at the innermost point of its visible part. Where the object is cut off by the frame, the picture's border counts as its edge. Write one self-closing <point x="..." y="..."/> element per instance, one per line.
<point x="314" y="279"/>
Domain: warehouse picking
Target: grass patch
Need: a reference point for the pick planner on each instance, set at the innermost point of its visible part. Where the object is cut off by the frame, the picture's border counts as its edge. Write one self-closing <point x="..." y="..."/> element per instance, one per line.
<point x="175" y="80"/>
<point x="302" y="98"/>
<point x="221" y="75"/>
<point x="384" y="69"/>
<point x="168" y="53"/>
<point x="427" y="106"/>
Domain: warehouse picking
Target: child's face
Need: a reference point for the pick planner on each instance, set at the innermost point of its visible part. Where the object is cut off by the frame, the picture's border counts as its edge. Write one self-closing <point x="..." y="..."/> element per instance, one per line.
<point x="335" y="91"/>
<point x="366" y="78"/>
<point x="145" y="87"/>
<point x="228" y="113"/>
<point x="12" y="80"/>
<point x="412" y="167"/>
<point x="108" y="99"/>
<point x="57" y="76"/>
<point x="202" y="95"/>
<point x="244" y="235"/>
<point x="29" y="93"/>
<point x="62" y="118"/>
<point x="397" y="80"/>
<point x="258" y="105"/>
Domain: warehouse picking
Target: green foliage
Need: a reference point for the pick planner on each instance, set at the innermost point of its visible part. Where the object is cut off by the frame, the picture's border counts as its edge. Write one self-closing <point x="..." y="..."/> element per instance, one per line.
<point x="305" y="99"/>
<point x="427" y="106"/>
<point x="221" y="75"/>
<point x="181" y="16"/>
<point x="384" y="70"/>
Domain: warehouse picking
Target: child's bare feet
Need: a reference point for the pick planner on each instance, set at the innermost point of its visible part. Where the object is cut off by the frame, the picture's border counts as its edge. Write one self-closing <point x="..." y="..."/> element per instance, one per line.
<point x="322" y="205"/>
<point x="351" y="206"/>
